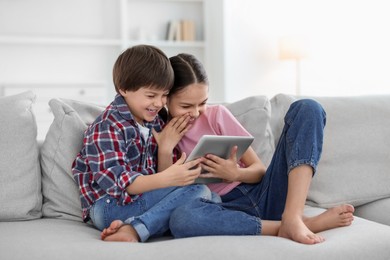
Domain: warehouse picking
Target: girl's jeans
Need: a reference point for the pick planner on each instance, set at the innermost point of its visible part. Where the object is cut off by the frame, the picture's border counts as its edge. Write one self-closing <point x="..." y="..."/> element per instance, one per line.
<point x="242" y="209"/>
<point x="149" y="214"/>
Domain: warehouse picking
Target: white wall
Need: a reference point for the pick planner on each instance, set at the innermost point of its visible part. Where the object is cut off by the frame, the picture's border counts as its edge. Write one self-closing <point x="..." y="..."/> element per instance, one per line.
<point x="347" y="42"/>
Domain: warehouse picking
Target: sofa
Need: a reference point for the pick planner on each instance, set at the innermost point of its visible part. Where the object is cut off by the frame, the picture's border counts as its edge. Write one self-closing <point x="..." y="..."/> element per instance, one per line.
<point x="40" y="213"/>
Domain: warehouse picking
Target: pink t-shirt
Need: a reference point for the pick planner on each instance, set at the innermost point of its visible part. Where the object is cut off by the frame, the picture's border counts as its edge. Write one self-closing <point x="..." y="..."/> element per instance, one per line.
<point x="217" y="120"/>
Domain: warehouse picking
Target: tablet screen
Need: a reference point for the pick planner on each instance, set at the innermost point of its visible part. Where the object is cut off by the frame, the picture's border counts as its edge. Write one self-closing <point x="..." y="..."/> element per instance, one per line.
<point x="220" y="145"/>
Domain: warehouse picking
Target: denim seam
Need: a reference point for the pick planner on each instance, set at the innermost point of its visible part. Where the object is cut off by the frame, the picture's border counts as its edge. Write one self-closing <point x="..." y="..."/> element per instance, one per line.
<point x="141" y="229"/>
<point x="260" y="226"/>
<point x="140" y="226"/>
<point x="254" y="204"/>
<point x="311" y="162"/>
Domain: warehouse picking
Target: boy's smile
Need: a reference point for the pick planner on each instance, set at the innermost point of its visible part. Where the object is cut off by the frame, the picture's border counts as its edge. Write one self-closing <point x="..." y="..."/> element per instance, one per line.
<point x="145" y="103"/>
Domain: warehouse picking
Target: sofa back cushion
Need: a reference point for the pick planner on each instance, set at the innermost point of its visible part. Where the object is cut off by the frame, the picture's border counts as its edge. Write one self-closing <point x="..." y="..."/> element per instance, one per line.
<point x="355" y="163"/>
<point x="20" y="175"/>
<point x="378" y="211"/>
<point x="254" y="114"/>
<point x="60" y="147"/>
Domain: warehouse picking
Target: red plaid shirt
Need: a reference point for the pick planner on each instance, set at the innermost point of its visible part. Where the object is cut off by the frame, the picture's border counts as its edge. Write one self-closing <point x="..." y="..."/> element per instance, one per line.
<point x="114" y="155"/>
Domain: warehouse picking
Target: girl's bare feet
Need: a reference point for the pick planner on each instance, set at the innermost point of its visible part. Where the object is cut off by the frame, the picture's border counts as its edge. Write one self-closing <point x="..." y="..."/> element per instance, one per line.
<point x="293" y="228"/>
<point x="303" y="230"/>
<point x="339" y="216"/>
<point x="118" y="231"/>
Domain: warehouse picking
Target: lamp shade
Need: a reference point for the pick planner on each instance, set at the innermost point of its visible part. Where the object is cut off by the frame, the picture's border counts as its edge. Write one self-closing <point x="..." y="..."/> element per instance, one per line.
<point x="291" y="48"/>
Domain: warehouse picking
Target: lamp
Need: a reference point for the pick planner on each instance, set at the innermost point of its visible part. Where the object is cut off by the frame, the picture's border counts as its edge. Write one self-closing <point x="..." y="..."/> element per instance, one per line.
<point x="292" y="48"/>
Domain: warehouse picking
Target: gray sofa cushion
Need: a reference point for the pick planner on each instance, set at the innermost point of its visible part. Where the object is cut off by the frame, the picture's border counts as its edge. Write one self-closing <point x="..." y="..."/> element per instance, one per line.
<point x="20" y="175"/>
<point x="254" y="114"/>
<point x="62" y="143"/>
<point x="378" y="211"/>
<point x="355" y="165"/>
<point x="62" y="239"/>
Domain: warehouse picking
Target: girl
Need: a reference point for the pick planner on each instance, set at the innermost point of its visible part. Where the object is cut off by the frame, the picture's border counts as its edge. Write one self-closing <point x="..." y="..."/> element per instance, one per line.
<point x="254" y="200"/>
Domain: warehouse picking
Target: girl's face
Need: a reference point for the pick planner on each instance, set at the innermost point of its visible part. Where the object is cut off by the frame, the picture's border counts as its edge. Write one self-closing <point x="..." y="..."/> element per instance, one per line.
<point x="191" y="100"/>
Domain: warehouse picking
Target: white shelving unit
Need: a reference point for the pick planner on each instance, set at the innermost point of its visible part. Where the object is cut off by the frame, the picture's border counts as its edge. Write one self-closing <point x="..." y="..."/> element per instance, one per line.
<point x="67" y="48"/>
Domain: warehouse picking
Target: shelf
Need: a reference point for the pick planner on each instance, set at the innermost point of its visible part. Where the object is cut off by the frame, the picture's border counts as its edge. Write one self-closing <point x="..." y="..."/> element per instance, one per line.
<point x="24" y="40"/>
<point x="193" y="44"/>
<point x="146" y="1"/>
<point x="46" y="84"/>
<point x="94" y="42"/>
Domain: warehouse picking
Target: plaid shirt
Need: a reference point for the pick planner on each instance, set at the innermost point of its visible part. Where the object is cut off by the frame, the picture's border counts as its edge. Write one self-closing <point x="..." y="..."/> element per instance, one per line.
<point x="113" y="155"/>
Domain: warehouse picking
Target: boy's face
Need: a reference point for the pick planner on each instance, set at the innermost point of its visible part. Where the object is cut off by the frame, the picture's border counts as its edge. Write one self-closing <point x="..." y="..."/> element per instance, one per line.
<point x="191" y="100"/>
<point x="145" y="103"/>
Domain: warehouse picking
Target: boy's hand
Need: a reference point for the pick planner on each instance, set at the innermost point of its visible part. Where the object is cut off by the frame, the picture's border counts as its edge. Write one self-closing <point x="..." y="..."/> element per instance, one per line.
<point x="217" y="167"/>
<point x="172" y="133"/>
<point x="182" y="174"/>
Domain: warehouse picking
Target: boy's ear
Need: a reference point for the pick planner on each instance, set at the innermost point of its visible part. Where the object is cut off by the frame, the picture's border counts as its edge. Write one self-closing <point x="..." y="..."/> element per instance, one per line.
<point x="122" y="92"/>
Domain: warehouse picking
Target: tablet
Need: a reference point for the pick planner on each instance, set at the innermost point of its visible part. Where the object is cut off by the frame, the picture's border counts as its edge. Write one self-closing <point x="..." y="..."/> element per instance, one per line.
<point x="220" y="145"/>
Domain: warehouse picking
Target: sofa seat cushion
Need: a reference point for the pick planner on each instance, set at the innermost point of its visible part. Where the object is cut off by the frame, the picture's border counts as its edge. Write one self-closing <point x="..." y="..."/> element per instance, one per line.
<point x="20" y="174"/>
<point x="63" y="239"/>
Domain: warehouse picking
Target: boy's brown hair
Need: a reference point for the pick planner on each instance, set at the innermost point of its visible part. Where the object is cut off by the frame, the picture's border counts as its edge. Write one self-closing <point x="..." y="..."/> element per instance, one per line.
<point x="142" y="66"/>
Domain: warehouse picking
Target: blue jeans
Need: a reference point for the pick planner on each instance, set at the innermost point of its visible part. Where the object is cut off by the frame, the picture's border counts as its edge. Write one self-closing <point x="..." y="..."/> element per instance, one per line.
<point x="242" y="209"/>
<point x="150" y="213"/>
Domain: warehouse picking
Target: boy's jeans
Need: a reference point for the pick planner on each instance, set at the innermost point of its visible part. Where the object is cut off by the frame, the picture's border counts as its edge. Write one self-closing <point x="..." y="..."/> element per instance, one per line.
<point x="242" y="209"/>
<point x="150" y="213"/>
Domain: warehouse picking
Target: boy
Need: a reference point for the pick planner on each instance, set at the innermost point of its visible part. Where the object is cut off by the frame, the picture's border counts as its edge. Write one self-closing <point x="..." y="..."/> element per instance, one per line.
<point x="116" y="167"/>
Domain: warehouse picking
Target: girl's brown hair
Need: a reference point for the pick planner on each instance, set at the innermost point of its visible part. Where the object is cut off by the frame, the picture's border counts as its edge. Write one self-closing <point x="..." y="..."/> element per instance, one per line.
<point x="188" y="70"/>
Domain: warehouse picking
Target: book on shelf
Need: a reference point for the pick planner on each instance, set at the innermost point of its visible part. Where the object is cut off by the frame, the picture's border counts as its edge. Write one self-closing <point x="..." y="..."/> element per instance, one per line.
<point x="181" y="30"/>
<point x="188" y="30"/>
<point x="173" y="27"/>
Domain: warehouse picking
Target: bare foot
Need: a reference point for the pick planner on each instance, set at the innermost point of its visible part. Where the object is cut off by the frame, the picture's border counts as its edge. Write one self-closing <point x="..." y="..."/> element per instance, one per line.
<point x="118" y="231"/>
<point x="293" y="228"/>
<point x="339" y="216"/>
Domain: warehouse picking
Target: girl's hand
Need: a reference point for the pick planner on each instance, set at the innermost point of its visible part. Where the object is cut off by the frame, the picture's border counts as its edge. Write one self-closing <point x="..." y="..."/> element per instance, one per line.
<point x="172" y="133"/>
<point x="217" y="167"/>
<point x="182" y="174"/>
